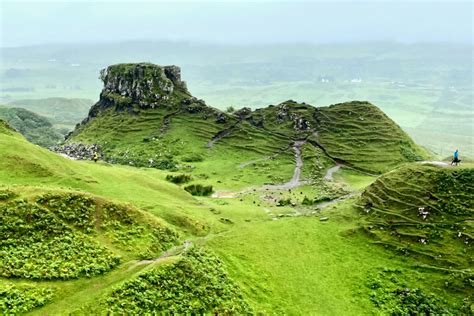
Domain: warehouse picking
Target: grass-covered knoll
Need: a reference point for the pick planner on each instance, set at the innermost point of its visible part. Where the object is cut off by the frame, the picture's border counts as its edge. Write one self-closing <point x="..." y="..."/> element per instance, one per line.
<point x="37" y="129"/>
<point x="36" y="245"/>
<point x="362" y="135"/>
<point x="425" y="212"/>
<point x="194" y="283"/>
<point x="68" y="235"/>
<point x="19" y="299"/>
<point x="22" y="163"/>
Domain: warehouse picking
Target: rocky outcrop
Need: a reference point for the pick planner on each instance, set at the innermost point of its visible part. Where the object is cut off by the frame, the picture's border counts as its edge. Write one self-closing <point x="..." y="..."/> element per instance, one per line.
<point x="143" y="84"/>
<point x="78" y="151"/>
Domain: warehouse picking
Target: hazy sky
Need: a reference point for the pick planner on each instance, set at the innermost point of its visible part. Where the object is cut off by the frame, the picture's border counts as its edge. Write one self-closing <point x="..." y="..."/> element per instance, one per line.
<point x="239" y="22"/>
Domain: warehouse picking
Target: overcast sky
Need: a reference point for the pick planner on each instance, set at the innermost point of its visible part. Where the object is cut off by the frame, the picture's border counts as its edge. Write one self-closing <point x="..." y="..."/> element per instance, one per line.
<point x="236" y="22"/>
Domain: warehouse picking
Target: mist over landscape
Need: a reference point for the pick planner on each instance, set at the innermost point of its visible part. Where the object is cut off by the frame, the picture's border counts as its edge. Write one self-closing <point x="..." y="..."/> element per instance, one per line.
<point x="264" y="149"/>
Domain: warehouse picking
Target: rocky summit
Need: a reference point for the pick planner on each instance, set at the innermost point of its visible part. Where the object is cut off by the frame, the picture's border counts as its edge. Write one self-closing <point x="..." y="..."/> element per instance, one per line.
<point x="142" y="84"/>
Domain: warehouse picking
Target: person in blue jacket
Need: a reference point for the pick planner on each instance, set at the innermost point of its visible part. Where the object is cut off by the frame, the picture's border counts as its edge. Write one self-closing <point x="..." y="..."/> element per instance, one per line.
<point x="456" y="159"/>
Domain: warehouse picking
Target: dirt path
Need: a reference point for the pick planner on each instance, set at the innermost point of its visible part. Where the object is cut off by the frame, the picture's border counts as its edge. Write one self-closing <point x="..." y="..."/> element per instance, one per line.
<point x="221" y="135"/>
<point x="435" y="163"/>
<point x="248" y="163"/>
<point x="296" y="180"/>
<point x="329" y="173"/>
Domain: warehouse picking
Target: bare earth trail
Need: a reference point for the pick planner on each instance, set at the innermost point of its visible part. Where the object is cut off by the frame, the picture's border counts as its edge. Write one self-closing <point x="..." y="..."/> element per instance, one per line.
<point x="296" y="180"/>
<point x="293" y="183"/>
<point x="331" y="171"/>
<point x="436" y="163"/>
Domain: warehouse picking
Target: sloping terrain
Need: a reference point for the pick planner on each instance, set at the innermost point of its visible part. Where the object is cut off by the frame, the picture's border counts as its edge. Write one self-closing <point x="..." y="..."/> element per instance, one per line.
<point x="35" y="128"/>
<point x="268" y="258"/>
<point x="425" y="212"/>
<point x="362" y="135"/>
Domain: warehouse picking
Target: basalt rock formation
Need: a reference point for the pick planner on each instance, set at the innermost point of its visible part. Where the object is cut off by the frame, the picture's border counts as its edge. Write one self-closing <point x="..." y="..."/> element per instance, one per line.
<point x="143" y="85"/>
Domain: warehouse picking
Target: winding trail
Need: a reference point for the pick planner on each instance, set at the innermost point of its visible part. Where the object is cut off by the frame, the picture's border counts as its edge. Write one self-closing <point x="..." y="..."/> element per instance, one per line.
<point x="296" y="180"/>
<point x="435" y="163"/>
<point x="222" y="134"/>
<point x="331" y="171"/>
<point x="273" y="156"/>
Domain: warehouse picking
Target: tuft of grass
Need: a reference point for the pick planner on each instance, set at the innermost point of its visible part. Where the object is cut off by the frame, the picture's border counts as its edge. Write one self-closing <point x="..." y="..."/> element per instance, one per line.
<point x="199" y="189"/>
<point x="178" y="178"/>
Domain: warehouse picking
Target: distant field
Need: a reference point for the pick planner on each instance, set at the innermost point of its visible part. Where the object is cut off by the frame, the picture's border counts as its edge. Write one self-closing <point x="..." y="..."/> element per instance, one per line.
<point x="426" y="89"/>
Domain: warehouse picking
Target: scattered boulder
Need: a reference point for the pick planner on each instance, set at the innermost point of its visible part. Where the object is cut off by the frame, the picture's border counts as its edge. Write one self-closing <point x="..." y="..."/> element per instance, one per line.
<point x="242" y="113"/>
<point x="221" y="118"/>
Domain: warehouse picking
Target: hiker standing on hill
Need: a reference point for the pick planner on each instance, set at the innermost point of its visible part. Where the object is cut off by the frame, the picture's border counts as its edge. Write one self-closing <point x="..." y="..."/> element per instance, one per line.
<point x="95" y="156"/>
<point x="456" y="159"/>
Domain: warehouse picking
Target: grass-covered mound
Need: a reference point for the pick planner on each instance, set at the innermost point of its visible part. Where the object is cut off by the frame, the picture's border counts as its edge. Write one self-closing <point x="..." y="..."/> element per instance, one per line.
<point x="424" y="211"/>
<point x="35" y="128"/>
<point x="67" y="235"/>
<point x="19" y="299"/>
<point x="197" y="283"/>
<point x="362" y="135"/>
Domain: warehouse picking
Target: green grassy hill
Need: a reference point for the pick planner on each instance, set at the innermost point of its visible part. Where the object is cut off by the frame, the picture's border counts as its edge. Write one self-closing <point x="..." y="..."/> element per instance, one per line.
<point x="293" y="225"/>
<point x="37" y="129"/>
<point x="147" y="117"/>
<point x="425" y="212"/>
<point x="63" y="113"/>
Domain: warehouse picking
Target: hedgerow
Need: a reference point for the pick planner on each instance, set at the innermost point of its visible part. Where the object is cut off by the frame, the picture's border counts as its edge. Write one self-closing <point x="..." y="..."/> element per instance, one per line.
<point x="196" y="284"/>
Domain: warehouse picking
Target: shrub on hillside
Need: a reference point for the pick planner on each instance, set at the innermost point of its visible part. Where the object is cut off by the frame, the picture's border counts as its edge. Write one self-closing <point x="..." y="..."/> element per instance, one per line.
<point x="199" y="189"/>
<point x="197" y="284"/>
<point x="6" y="195"/>
<point x="393" y="297"/>
<point x="19" y="299"/>
<point x="37" y="244"/>
<point x="179" y="178"/>
<point x="75" y="209"/>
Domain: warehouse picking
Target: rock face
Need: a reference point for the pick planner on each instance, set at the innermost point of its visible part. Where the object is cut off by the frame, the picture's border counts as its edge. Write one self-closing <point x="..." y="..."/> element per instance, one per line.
<point x="145" y="85"/>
